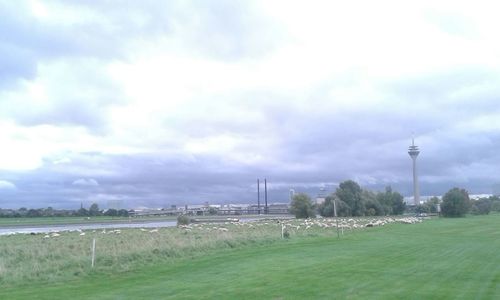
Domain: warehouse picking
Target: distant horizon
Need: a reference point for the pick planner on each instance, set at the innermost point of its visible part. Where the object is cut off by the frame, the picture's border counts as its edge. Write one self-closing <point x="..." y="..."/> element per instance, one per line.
<point x="313" y="197"/>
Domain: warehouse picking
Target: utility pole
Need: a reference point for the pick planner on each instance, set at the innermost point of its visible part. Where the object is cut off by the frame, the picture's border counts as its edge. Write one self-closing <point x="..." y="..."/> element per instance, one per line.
<point x="258" y="196"/>
<point x="266" y="210"/>
<point x="336" y="218"/>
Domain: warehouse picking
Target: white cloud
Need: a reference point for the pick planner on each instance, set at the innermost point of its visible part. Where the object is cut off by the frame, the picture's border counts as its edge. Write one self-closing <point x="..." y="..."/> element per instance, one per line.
<point x="7" y="185"/>
<point x="86" y="182"/>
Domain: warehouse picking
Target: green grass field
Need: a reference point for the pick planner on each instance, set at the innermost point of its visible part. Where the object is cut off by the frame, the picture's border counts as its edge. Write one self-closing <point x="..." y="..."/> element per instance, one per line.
<point x="437" y="259"/>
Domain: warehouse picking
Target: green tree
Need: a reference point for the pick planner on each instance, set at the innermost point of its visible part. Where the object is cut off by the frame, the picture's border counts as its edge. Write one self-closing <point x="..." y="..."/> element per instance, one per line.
<point x="481" y="206"/>
<point x="392" y="202"/>
<point x="325" y="209"/>
<point x="495" y="203"/>
<point x="111" y="212"/>
<point x="456" y="203"/>
<point x="82" y="212"/>
<point x="422" y="208"/>
<point x="212" y="210"/>
<point x="94" y="210"/>
<point x="495" y="206"/>
<point x="48" y="212"/>
<point x="302" y="206"/>
<point x="374" y="208"/>
<point x="398" y="204"/>
<point x="122" y="213"/>
<point x="432" y="204"/>
<point x="22" y="212"/>
<point x="33" y="213"/>
<point x="351" y="194"/>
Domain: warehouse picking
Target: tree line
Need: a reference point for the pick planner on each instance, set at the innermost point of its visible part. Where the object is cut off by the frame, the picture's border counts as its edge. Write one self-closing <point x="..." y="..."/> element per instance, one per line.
<point x="456" y="203"/>
<point x="92" y="211"/>
<point x="350" y="200"/>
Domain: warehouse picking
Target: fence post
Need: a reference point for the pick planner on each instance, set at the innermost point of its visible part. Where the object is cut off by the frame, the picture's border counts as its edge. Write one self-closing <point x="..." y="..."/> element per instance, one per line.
<point x="93" y="252"/>
<point x="336" y="218"/>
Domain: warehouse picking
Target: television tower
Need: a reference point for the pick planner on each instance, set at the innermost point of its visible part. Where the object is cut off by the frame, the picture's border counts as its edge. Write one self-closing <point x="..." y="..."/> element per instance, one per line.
<point x="414" y="151"/>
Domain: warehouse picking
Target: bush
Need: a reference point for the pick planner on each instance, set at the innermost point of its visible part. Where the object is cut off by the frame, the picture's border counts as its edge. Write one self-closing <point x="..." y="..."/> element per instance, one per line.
<point x="326" y="208"/>
<point x="111" y="212"/>
<point x="422" y="209"/>
<point x="302" y="206"/>
<point x="495" y="206"/>
<point x="212" y="211"/>
<point x="481" y="206"/>
<point x="456" y="203"/>
<point x="183" y="220"/>
<point x="374" y="208"/>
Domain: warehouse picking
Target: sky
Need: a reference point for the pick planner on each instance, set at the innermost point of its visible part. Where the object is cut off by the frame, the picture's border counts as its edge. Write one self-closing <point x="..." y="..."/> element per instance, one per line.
<point x="159" y="103"/>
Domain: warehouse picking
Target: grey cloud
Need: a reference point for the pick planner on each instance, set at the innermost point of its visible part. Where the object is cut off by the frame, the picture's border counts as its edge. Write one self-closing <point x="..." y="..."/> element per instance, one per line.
<point x="138" y="180"/>
<point x="66" y="113"/>
<point x="338" y="145"/>
<point x="86" y="182"/>
<point x="27" y="41"/>
<point x="150" y="180"/>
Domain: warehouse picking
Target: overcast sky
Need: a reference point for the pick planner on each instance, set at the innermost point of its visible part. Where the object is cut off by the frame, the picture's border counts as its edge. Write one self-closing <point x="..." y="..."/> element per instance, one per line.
<point x="157" y="103"/>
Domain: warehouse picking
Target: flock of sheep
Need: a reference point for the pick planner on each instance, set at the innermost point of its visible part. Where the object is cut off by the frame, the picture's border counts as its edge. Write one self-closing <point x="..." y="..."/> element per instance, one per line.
<point x="286" y="224"/>
<point x="344" y="223"/>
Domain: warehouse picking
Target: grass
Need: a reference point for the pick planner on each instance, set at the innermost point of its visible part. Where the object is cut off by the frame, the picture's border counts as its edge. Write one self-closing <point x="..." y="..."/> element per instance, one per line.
<point x="437" y="259"/>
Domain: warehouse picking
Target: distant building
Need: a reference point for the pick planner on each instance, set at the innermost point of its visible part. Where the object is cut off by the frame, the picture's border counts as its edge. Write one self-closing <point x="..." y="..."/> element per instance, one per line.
<point x="422" y="199"/>
<point x="479" y="196"/>
<point x="320" y="199"/>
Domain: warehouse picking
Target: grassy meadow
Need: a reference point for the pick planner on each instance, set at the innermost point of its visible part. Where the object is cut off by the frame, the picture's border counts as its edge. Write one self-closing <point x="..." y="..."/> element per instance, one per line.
<point x="439" y="258"/>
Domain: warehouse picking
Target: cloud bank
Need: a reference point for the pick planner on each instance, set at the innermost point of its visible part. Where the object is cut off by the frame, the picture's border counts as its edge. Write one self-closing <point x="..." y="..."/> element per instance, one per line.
<point x="155" y="104"/>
